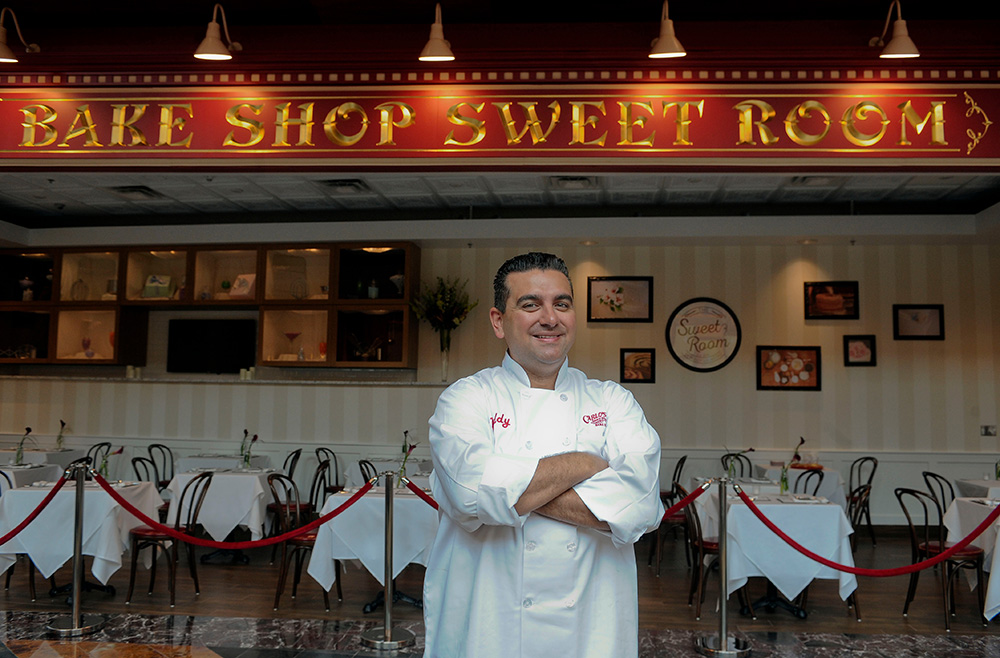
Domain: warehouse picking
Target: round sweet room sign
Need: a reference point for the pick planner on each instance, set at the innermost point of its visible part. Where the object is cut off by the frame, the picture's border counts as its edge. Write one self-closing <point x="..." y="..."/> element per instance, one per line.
<point x="703" y="334"/>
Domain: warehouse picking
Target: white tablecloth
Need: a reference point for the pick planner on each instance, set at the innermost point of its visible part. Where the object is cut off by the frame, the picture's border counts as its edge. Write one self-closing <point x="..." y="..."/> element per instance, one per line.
<point x="962" y="517"/>
<point x="22" y="476"/>
<point x="219" y="461"/>
<point x="978" y="488"/>
<point x="754" y="550"/>
<point x="61" y="457"/>
<point x="359" y="533"/>
<point x="707" y="504"/>
<point x="832" y="488"/>
<point x="48" y="540"/>
<point x="236" y="498"/>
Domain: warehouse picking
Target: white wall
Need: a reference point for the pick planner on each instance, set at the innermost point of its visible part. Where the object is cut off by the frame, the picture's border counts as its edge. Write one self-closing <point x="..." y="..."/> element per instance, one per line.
<point x="921" y="407"/>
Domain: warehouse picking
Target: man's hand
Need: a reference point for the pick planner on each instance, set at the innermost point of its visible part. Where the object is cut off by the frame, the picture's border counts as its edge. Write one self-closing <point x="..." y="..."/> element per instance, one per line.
<point x="556" y="475"/>
<point x="570" y="508"/>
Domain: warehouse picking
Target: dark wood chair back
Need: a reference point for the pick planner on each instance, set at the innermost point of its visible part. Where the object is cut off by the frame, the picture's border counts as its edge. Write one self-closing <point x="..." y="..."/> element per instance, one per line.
<point x="98" y="452"/>
<point x="368" y="470"/>
<point x="320" y="482"/>
<point x="145" y="470"/>
<point x="740" y="462"/>
<point x="191" y="500"/>
<point x="940" y="487"/>
<point x="6" y="478"/>
<point x="326" y="453"/>
<point x="163" y="460"/>
<point x="809" y="481"/>
<point x="291" y="461"/>
<point x="287" y="503"/>
<point x="862" y="472"/>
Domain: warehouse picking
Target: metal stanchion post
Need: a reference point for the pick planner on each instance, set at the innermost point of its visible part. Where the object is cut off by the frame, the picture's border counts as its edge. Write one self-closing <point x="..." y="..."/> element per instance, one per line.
<point x="387" y="638"/>
<point x="78" y="624"/>
<point x="723" y="645"/>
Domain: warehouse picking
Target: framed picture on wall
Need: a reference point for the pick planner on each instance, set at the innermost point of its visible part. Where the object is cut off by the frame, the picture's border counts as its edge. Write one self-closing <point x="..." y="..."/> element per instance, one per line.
<point x="831" y="300"/>
<point x="859" y="351"/>
<point x="788" y="368"/>
<point x="918" y="321"/>
<point x="638" y="365"/>
<point x="619" y="299"/>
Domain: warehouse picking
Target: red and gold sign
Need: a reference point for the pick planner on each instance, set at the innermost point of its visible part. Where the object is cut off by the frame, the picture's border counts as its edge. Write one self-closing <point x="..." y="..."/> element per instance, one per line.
<point x="653" y="124"/>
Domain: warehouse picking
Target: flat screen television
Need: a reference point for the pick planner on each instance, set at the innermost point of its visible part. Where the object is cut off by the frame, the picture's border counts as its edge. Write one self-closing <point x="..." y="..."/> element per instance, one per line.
<point x="211" y="346"/>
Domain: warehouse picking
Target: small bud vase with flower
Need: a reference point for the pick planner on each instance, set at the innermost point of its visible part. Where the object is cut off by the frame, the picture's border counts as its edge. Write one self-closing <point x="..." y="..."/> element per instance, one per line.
<point x="248" y="455"/>
<point x="59" y="437"/>
<point x="19" y="454"/>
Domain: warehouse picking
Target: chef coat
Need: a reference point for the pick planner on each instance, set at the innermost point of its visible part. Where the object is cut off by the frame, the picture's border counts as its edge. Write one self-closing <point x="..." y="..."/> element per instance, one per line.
<point x="499" y="584"/>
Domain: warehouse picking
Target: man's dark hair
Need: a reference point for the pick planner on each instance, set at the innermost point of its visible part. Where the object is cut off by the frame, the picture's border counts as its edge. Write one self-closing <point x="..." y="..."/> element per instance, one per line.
<point x="534" y="260"/>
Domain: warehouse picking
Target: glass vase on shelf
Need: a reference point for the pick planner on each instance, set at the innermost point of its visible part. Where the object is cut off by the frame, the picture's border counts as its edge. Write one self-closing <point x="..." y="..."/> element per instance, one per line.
<point x="784" y="478"/>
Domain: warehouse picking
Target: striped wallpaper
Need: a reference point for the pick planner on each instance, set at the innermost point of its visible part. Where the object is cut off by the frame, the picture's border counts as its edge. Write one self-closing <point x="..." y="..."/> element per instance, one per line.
<point x="923" y="396"/>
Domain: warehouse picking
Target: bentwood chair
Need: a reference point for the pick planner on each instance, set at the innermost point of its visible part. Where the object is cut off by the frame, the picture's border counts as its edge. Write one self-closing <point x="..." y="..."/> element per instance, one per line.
<point x="329" y="455"/>
<point x="98" y="453"/>
<point x="940" y="487"/>
<point x="188" y="508"/>
<point x="928" y="538"/>
<point x="863" y="472"/>
<point x="809" y="481"/>
<point x="145" y="471"/>
<point x="163" y="460"/>
<point x="674" y="522"/>
<point x="740" y="462"/>
<point x="290" y="516"/>
<point x="291" y="461"/>
<point x="368" y="470"/>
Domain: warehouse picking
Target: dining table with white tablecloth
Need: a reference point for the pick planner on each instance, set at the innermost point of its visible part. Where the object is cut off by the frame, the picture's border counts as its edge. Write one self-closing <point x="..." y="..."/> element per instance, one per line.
<point x="210" y="460"/>
<point x="237" y="497"/>
<point x="978" y="488"/>
<point x="48" y="540"/>
<point x="964" y="515"/>
<point x="418" y="472"/>
<point x="24" y="474"/>
<point x="832" y="487"/>
<point x="63" y="457"/>
<point x="754" y="550"/>
<point x="358" y="533"/>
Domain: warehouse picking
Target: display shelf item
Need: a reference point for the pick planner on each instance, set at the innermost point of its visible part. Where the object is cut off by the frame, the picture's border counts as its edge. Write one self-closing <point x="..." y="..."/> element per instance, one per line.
<point x="89" y="277"/>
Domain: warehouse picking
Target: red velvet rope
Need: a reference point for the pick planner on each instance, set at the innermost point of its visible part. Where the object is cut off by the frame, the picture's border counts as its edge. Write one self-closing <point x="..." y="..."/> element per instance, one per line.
<point x="38" y="510"/>
<point x="420" y="493"/>
<point x="235" y="545"/>
<point x="875" y="573"/>
<point x="687" y="500"/>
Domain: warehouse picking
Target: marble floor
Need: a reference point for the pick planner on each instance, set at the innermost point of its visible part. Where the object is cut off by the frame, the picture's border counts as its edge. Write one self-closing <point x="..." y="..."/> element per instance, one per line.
<point x="25" y="635"/>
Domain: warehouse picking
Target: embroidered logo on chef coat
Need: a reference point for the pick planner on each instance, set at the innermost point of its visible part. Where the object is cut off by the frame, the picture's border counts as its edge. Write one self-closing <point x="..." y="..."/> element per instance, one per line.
<point x="503" y="421"/>
<point x="598" y="419"/>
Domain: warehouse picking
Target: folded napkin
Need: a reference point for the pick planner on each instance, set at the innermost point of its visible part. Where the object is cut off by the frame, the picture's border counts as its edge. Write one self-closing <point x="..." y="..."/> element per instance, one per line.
<point x="800" y="498"/>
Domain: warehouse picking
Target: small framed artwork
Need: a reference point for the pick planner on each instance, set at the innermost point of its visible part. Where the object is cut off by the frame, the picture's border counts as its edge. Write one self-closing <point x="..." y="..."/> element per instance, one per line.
<point x="831" y="300"/>
<point x="918" y="321"/>
<point x="788" y="368"/>
<point x="619" y="299"/>
<point x="859" y="351"/>
<point x="638" y="366"/>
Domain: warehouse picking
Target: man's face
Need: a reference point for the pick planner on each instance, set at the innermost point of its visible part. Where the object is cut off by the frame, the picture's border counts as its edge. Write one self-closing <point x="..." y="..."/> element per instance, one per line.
<point x="539" y="324"/>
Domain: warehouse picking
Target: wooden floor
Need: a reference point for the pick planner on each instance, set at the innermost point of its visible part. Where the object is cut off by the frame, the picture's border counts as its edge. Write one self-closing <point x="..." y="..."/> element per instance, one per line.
<point x="248" y="591"/>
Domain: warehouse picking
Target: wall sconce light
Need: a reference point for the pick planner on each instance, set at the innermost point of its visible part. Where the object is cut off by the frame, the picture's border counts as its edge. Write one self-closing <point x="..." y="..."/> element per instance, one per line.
<point x="6" y="54"/>
<point x="211" y="47"/>
<point x="666" y="45"/>
<point x="437" y="49"/>
<point x="900" y="46"/>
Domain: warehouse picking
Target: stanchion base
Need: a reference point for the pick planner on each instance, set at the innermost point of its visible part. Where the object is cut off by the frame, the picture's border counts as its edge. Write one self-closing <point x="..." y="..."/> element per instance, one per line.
<point x="710" y="646"/>
<point x="375" y="638"/>
<point x="67" y="626"/>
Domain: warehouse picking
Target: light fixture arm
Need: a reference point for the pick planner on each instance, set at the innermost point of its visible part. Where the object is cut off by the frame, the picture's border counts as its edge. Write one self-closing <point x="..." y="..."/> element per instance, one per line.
<point x="880" y="41"/>
<point x="232" y="45"/>
<point x="28" y="47"/>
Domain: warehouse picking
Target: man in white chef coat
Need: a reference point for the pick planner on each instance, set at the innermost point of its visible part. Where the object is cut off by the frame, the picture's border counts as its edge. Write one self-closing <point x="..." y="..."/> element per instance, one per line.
<point x="545" y="480"/>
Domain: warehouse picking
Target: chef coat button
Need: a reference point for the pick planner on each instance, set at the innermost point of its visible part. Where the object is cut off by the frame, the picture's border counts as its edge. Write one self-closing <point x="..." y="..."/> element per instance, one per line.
<point x="530" y="545"/>
<point x="526" y="603"/>
<point x="563" y="397"/>
<point x="566" y="441"/>
<point x="527" y="445"/>
<point x="570" y="603"/>
<point x="571" y="546"/>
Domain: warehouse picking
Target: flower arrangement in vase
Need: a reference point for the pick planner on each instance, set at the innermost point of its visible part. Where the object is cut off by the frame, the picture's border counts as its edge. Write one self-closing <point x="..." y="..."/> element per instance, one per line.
<point x="19" y="454"/>
<point x="243" y="443"/>
<point x="248" y="454"/>
<point x="796" y="458"/>
<point x="407" y="451"/>
<point x="732" y="462"/>
<point x="59" y="437"/>
<point x="444" y="306"/>
<point x="103" y="468"/>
